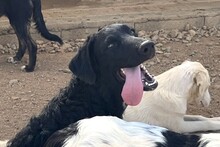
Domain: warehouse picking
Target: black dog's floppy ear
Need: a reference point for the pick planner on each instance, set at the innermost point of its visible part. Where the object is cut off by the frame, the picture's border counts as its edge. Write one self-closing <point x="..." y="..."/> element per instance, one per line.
<point x="81" y="64"/>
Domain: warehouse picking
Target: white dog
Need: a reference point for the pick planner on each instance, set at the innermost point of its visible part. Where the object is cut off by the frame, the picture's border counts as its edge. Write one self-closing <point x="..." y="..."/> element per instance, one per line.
<point x="166" y="105"/>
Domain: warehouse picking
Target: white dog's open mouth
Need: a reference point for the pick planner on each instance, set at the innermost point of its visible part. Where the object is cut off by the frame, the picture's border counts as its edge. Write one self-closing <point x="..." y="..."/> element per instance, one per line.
<point x="137" y="80"/>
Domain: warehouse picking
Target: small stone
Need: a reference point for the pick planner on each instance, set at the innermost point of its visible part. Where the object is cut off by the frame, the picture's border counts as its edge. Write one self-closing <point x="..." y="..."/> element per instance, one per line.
<point x="52" y="52"/>
<point x="151" y="63"/>
<point x="64" y="70"/>
<point x="66" y="46"/>
<point x="156" y="32"/>
<point x="12" y="82"/>
<point x="188" y="38"/>
<point x="194" y="28"/>
<point x="80" y="40"/>
<point x="55" y="46"/>
<point x="1" y="47"/>
<point x="40" y="42"/>
<point x="167" y="55"/>
<point x="141" y="33"/>
<point x="24" y="99"/>
<point x="8" y="45"/>
<point x="180" y="35"/>
<point x="159" y="45"/>
<point x="163" y="49"/>
<point x="161" y="39"/>
<point x="14" y="97"/>
<point x="206" y="35"/>
<point x="174" y="61"/>
<point x="204" y="27"/>
<point x="192" y="53"/>
<point x="154" y="38"/>
<point x="168" y="49"/>
<point x="211" y="44"/>
<point x="185" y="41"/>
<point x="187" y="27"/>
<point x="189" y="44"/>
<point x="158" y="60"/>
<point x="159" y="52"/>
<point x="197" y="40"/>
<point x="192" y="33"/>
<point x="173" y="33"/>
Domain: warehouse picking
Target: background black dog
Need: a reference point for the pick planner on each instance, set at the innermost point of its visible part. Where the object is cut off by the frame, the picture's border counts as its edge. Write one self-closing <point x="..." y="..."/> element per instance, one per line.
<point x="97" y="87"/>
<point x="19" y="13"/>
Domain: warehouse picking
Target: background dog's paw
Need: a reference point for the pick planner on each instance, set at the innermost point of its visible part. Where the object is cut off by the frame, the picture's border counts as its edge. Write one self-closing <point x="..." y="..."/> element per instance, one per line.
<point x="11" y="60"/>
<point x="26" y="68"/>
<point x="23" y="68"/>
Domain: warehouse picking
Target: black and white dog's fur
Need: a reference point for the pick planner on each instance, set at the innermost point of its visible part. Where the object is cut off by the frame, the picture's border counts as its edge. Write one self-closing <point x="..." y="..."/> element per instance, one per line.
<point x="108" y="131"/>
<point x="19" y="13"/>
<point x="99" y="83"/>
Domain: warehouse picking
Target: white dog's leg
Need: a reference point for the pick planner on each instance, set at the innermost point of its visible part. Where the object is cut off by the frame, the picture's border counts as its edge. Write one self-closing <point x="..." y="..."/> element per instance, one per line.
<point x="200" y="118"/>
<point x="196" y="126"/>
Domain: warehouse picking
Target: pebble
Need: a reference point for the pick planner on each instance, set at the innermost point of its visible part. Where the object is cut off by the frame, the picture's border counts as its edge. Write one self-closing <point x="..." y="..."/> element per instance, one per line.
<point x="65" y="70"/>
<point x="159" y="52"/>
<point x="204" y="27"/>
<point x="159" y="45"/>
<point x="187" y="27"/>
<point x="14" y="97"/>
<point x="13" y="82"/>
<point x="188" y="44"/>
<point x="173" y="33"/>
<point x="188" y="38"/>
<point x="192" y="33"/>
<point x="141" y="33"/>
<point x="197" y="40"/>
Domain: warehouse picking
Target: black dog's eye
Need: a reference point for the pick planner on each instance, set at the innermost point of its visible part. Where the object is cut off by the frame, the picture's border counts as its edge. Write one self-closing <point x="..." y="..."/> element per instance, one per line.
<point x="112" y="42"/>
<point x="111" y="45"/>
<point x="133" y="32"/>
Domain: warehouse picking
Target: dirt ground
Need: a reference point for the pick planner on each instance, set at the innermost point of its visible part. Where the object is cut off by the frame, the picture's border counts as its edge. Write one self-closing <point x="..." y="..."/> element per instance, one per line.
<point x="25" y="94"/>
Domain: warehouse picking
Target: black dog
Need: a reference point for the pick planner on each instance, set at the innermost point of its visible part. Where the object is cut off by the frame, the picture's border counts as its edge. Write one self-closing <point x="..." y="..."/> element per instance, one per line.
<point x="19" y="13"/>
<point x="98" y="85"/>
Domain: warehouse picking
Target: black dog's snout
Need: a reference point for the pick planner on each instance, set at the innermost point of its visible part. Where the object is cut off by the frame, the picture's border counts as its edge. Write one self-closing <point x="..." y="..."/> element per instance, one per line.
<point x="147" y="47"/>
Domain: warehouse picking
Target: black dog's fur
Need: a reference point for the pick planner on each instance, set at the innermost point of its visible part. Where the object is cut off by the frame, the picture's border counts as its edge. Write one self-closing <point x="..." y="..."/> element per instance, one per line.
<point x="96" y="89"/>
<point x="19" y="13"/>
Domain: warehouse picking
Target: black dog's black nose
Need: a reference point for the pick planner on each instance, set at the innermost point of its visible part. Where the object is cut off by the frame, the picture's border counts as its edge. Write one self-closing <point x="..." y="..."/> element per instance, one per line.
<point x="146" y="47"/>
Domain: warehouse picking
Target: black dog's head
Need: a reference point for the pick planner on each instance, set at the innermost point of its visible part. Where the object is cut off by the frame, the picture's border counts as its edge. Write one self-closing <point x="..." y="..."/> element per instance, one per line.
<point x="116" y="51"/>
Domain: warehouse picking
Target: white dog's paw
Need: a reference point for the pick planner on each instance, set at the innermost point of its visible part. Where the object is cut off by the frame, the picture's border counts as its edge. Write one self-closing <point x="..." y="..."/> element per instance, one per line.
<point x="11" y="60"/>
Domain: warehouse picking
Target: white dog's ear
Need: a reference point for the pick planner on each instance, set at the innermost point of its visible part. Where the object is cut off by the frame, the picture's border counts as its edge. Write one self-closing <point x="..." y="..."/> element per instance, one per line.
<point x="202" y="82"/>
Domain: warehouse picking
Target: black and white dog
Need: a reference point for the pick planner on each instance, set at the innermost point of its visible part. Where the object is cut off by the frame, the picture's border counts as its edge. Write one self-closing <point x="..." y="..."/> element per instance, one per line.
<point x="100" y="87"/>
<point x="109" y="131"/>
<point x="19" y="13"/>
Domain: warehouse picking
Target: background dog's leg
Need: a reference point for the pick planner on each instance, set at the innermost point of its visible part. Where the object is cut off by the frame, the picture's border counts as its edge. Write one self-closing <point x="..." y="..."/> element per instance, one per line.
<point x="19" y="31"/>
<point x="199" y="118"/>
<point x="25" y="42"/>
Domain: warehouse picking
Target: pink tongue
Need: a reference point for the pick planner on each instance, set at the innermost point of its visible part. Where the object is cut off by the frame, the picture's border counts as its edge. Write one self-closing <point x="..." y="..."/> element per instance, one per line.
<point x="133" y="88"/>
